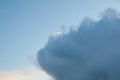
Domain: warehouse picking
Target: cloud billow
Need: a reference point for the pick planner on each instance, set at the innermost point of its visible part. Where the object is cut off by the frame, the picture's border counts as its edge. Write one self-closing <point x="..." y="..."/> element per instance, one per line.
<point x="92" y="52"/>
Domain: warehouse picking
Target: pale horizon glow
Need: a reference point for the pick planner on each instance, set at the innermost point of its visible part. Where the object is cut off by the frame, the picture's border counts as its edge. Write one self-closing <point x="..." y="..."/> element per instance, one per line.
<point x="32" y="73"/>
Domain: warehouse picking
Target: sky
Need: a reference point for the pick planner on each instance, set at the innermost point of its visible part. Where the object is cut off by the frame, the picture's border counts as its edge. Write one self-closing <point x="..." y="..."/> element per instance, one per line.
<point x="25" y="26"/>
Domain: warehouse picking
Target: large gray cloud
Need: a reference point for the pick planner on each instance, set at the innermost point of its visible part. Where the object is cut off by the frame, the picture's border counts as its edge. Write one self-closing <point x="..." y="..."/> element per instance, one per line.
<point x="92" y="52"/>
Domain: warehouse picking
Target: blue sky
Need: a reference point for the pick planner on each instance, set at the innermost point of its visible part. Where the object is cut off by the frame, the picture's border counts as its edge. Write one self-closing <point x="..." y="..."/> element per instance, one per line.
<point x="25" y="25"/>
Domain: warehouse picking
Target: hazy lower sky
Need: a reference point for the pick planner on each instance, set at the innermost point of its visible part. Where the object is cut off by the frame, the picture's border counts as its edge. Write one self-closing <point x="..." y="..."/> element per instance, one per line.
<point x="25" y="25"/>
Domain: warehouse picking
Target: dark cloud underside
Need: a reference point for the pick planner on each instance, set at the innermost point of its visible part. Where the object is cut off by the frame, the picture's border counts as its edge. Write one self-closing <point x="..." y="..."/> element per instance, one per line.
<point x="92" y="52"/>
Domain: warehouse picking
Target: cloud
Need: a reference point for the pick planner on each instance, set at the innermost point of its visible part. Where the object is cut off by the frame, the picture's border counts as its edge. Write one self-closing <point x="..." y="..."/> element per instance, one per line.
<point x="92" y="52"/>
<point x="27" y="74"/>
